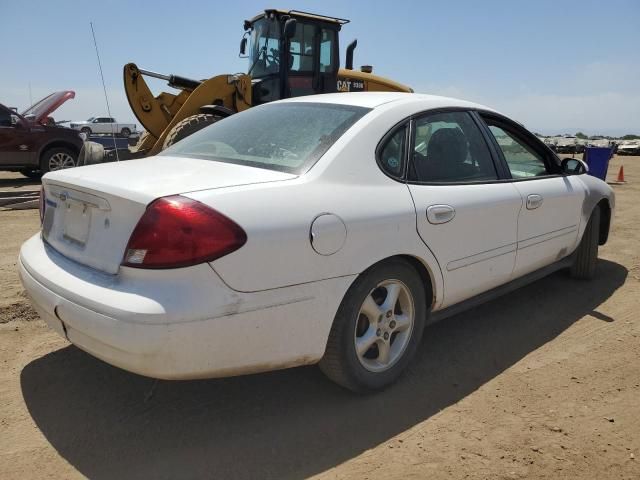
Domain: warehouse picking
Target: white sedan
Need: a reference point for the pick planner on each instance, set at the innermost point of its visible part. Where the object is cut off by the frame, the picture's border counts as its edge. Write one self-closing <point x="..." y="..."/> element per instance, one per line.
<point x="326" y="229"/>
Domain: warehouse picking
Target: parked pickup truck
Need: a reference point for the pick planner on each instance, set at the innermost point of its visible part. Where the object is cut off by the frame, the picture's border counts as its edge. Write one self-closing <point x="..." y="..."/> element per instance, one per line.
<point x="33" y="143"/>
<point x="102" y="125"/>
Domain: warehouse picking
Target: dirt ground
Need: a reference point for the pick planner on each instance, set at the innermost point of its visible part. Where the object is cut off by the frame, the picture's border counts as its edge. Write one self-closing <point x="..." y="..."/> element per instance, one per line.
<point x="542" y="383"/>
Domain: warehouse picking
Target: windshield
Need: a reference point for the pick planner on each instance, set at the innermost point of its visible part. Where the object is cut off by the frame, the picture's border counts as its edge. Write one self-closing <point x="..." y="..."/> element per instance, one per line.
<point x="288" y="137"/>
<point x="264" y="56"/>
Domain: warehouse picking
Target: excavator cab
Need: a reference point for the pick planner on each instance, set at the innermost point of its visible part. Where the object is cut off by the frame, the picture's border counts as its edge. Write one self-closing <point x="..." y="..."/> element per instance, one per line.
<point x="291" y="53"/>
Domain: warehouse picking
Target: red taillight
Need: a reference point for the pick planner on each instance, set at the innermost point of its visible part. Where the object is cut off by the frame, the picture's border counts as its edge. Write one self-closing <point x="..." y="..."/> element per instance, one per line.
<point x="41" y="204"/>
<point x="177" y="232"/>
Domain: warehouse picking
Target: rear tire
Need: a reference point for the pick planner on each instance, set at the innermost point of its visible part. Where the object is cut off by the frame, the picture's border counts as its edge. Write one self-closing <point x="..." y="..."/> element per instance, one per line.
<point x="188" y="126"/>
<point x="376" y="327"/>
<point x="584" y="264"/>
<point x="57" y="158"/>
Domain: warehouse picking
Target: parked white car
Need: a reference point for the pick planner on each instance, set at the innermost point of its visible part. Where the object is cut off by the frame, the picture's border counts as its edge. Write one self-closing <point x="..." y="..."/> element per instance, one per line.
<point x="629" y="147"/>
<point x="103" y="125"/>
<point x="324" y="229"/>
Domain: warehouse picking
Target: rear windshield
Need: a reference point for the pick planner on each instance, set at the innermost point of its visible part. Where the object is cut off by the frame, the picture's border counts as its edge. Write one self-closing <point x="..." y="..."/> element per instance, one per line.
<point x="288" y="137"/>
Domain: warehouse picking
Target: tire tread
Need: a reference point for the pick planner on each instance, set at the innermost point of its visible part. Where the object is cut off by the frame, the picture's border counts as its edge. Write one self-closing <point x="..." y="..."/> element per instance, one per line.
<point x="187" y="126"/>
<point x="584" y="265"/>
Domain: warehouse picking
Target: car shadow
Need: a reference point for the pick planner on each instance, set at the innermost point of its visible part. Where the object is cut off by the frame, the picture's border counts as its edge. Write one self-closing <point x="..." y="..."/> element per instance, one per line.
<point x="18" y="182"/>
<point x="109" y="423"/>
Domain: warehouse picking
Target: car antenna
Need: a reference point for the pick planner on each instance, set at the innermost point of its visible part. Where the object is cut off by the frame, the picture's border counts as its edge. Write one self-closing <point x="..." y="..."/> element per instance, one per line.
<point x="106" y="98"/>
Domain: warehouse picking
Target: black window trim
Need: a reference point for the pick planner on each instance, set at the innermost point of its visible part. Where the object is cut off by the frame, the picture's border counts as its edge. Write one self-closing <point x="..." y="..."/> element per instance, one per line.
<point x="494" y="158"/>
<point x="552" y="162"/>
<point x="406" y="124"/>
<point x="478" y="115"/>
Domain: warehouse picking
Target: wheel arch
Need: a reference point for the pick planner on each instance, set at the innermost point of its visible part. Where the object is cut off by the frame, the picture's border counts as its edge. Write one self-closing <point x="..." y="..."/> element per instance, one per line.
<point x="425" y="271"/>
<point x="605" y="220"/>
<point x="58" y="144"/>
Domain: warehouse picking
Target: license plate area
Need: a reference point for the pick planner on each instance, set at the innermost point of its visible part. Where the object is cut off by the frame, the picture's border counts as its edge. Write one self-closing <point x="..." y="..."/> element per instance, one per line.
<point x="77" y="221"/>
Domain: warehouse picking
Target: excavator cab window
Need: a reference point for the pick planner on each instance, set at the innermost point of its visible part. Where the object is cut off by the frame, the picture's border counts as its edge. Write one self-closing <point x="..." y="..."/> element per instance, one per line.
<point x="305" y="64"/>
<point x="264" y="60"/>
<point x="265" y="48"/>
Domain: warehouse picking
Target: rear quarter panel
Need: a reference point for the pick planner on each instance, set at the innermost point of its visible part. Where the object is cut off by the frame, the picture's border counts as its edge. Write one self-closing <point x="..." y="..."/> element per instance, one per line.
<point x="378" y="213"/>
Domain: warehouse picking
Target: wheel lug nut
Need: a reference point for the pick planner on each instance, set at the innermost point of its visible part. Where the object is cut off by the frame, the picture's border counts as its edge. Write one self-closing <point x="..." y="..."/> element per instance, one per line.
<point x="389" y="313"/>
<point x="378" y="332"/>
<point x="386" y="335"/>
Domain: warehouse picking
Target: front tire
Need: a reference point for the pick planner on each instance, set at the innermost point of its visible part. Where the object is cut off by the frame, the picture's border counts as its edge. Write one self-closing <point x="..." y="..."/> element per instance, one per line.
<point x="57" y="158"/>
<point x="86" y="131"/>
<point x="125" y="132"/>
<point x="377" y="328"/>
<point x="188" y="126"/>
<point x="584" y="264"/>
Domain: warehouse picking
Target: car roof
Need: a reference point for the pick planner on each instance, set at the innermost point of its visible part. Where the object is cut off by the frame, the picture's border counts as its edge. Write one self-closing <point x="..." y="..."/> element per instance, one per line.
<point x="376" y="99"/>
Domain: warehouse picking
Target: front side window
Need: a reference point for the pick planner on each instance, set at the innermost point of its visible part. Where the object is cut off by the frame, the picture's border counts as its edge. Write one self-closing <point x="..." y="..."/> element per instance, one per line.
<point x="5" y="118"/>
<point x="449" y="147"/>
<point x="288" y="137"/>
<point x="264" y="57"/>
<point x="522" y="160"/>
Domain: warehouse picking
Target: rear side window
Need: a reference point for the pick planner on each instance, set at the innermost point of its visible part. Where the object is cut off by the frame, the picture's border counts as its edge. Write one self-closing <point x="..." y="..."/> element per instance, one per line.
<point x="522" y="160"/>
<point x="288" y="137"/>
<point x="448" y="147"/>
<point x="392" y="153"/>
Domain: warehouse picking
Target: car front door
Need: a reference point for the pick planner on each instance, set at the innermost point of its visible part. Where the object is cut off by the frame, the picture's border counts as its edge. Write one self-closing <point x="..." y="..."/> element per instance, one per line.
<point x="16" y="143"/>
<point x="549" y="221"/>
<point x="465" y="214"/>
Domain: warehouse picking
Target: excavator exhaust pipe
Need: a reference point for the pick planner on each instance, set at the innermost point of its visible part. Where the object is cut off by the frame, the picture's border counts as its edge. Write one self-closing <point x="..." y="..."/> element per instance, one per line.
<point x="349" y="60"/>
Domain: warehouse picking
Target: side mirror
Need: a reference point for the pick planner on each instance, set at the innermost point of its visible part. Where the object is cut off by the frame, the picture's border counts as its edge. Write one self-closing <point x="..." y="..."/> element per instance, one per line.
<point x="573" y="166"/>
<point x="15" y="121"/>
<point x="290" y="28"/>
<point x="243" y="45"/>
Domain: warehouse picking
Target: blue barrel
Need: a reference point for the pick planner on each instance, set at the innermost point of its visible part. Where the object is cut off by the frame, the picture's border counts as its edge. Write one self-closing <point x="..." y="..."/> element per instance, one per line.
<point x="597" y="158"/>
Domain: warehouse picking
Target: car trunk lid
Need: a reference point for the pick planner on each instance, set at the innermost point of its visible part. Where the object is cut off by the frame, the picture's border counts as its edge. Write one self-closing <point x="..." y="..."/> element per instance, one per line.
<point x="90" y="212"/>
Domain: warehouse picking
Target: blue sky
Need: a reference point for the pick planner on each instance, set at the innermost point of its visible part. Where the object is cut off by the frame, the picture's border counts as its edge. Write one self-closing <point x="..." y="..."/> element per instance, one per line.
<point x="556" y="66"/>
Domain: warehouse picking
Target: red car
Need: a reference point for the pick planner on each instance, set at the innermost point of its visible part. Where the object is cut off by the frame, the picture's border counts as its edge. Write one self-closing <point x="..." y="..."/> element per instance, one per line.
<point x="31" y="143"/>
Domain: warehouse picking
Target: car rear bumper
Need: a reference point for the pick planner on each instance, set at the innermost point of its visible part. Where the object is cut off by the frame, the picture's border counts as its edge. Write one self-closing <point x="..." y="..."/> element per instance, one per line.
<point x="180" y="323"/>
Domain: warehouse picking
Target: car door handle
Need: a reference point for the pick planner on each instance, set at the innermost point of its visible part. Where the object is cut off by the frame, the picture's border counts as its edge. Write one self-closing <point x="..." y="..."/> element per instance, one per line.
<point x="534" y="201"/>
<point x="440" y="214"/>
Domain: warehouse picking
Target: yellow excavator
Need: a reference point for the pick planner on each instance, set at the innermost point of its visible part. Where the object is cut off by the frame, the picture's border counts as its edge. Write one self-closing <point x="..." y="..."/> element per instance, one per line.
<point x="290" y="54"/>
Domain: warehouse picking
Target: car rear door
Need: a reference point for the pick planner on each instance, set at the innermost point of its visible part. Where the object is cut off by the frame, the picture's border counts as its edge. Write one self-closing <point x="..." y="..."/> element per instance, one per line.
<point x="466" y="216"/>
<point x="549" y="220"/>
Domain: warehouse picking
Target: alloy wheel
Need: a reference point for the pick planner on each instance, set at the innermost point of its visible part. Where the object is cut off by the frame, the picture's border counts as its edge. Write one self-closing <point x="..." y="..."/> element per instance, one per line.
<point x="384" y="325"/>
<point x="61" y="160"/>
